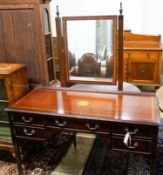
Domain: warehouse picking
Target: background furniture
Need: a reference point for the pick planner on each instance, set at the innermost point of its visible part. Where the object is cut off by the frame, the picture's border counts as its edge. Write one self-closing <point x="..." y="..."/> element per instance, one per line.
<point x="26" y="38"/>
<point x="88" y="65"/>
<point x="142" y="59"/>
<point x="114" y="115"/>
<point x="13" y="85"/>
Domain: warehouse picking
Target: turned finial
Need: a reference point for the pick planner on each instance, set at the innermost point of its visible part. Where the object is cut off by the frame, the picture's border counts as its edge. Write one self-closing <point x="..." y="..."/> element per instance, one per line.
<point x="57" y="12"/>
<point x="121" y="9"/>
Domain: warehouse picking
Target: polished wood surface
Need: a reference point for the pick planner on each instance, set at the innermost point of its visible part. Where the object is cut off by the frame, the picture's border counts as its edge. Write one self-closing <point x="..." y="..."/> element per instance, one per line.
<point x="101" y="106"/>
<point x="141" y="54"/>
<point x="6" y="68"/>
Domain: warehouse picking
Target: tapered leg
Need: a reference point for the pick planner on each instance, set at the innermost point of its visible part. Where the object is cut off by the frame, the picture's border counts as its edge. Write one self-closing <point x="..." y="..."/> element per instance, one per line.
<point x="153" y="152"/>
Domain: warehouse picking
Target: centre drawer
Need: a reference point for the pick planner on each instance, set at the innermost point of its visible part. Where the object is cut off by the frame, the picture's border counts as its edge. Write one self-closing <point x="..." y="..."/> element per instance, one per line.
<point x="79" y="125"/>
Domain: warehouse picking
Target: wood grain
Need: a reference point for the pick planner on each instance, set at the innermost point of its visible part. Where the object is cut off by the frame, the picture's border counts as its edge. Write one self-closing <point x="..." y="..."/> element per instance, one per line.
<point x="129" y="107"/>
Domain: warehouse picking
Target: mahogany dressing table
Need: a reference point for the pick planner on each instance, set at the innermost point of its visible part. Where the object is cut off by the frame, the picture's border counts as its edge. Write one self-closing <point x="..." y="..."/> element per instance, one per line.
<point x="129" y="121"/>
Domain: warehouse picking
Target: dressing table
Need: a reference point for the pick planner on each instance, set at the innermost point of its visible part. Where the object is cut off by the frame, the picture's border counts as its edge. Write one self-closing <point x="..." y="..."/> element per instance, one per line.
<point x="129" y="121"/>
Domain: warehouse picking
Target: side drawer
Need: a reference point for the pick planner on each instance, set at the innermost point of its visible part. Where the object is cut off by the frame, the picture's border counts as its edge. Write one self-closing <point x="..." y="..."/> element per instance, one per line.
<point x="77" y="125"/>
<point x="138" y="131"/>
<point x="28" y="119"/>
<point x="29" y="132"/>
<point x="137" y="145"/>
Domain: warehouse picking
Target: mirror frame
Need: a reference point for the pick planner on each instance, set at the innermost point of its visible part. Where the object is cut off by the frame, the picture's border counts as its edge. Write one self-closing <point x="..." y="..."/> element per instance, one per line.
<point x="61" y="51"/>
<point x="114" y="43"/>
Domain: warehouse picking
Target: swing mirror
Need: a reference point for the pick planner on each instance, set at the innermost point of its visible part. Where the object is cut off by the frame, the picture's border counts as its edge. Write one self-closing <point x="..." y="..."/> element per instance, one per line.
<point x="90" y="48"/>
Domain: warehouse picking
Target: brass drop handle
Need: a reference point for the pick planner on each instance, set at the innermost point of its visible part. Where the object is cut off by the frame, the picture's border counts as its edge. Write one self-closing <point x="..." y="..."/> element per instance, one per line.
<point x="132" y="132"/>
<point x="60" y="124"/>
<point x="29" y="133"/>
<point x="92" y="128"/>
<point x="29" y="120"/>
<point x="128" y="140"/>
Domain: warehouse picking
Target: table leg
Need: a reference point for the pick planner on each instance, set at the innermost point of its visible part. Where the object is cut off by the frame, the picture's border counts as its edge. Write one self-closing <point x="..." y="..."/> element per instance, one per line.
<point x="18" y="158"/>
<point x="153" y="152"/>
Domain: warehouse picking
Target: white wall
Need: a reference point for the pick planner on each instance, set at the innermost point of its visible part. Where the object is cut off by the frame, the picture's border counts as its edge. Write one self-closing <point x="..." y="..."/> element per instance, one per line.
<point x="141" y="16"/>
<point x="153" y="14"/>
<point x="132" y="10"/>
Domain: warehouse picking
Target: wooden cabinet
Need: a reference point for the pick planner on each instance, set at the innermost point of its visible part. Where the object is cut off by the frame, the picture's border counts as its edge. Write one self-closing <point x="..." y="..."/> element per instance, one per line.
<point x="142" y="59"/>
<point x="13" y="85"/>
<point x="26" y="38"/>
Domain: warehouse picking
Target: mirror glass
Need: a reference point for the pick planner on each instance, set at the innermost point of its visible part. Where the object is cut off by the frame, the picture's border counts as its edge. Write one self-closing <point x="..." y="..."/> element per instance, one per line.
<point x="90" y="48"/>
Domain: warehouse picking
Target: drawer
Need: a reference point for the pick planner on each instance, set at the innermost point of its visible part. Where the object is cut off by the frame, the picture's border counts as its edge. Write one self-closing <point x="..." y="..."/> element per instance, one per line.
<point x="29" y="132"/>
<point x="137" y="145"/>
<point x="142" y="54"/>
<point x="28" y="119"/>
<point x="77" y="125"/>
<point x="137" y="131"/>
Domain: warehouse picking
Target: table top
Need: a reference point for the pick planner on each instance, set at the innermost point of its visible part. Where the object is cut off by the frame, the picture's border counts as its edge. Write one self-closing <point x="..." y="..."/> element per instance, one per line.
<point x="8" y="68"/>
<point x="108" y="106"/>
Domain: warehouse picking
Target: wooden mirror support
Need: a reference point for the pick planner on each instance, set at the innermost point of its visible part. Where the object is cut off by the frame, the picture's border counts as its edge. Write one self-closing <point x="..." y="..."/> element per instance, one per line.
<point x="90" y="49"/>
<point x="120" y="53"/>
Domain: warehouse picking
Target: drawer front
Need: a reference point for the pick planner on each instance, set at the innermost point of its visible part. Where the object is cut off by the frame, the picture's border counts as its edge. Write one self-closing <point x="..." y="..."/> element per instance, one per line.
<point x="142" y="54"/>
<point x="29" y="132"/>
<point x="28" y="119"/>
<point x="137" y="145"/>
<point x="136" y="131"/>
<point x="83" y="126"/>
<point x="139" y="70"/>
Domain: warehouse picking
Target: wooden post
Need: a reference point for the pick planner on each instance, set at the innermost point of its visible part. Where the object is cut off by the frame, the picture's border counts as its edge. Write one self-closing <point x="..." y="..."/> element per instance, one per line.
<point x="60" y="49"/>
<point x="120" y="50"/>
